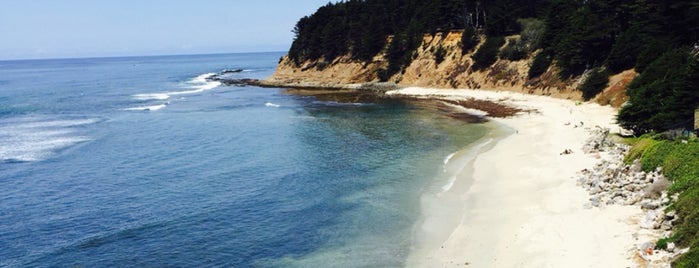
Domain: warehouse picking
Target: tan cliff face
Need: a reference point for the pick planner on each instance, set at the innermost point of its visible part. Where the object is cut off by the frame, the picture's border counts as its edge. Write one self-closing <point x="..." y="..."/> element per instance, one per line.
<point x="453" y="72"/>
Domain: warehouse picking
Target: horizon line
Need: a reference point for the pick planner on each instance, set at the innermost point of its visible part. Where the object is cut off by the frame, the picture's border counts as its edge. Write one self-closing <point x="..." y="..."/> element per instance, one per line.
<point x="138" y="56"/>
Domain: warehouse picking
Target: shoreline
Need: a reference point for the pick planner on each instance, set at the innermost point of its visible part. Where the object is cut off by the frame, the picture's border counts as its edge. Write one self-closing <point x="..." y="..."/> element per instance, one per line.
<point x="523" y="207"/>
<point x="526" y="200"/>
<point x="442" y="204"/>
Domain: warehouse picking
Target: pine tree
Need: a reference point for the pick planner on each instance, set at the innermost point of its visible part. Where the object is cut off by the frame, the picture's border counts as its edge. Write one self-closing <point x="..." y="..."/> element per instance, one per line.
<point x="664" y="96"/>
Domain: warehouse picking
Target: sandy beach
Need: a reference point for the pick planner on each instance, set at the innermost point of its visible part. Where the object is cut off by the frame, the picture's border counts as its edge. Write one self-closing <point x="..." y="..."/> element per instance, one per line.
<point x="521" y="206"/>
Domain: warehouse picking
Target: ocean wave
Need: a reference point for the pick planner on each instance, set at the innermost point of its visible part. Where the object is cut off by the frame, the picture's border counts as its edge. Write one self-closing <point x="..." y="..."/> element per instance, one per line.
<point x="54" y="123"/>
<point x="199" y="84"/>
<point x="450" y="183"/>
<point x="36" y="139"/>
<point x="196" y="85"/>
<point x="201" y="79"/>
<point x="147" y="108"/>
<point x="269" y="104"/>
<point x="197" y="89"/>
<point x="151" y="96"/>
<point x="446" y="161"/>
<point x="470" y="155"/>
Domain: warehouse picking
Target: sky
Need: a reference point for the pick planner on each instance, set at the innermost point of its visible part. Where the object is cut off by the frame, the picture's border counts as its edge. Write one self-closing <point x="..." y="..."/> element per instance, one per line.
<point x="35" y="29"/>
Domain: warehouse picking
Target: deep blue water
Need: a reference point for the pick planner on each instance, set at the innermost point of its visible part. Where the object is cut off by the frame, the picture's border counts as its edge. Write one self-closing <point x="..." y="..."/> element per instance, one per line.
<point x="142" y="162"/>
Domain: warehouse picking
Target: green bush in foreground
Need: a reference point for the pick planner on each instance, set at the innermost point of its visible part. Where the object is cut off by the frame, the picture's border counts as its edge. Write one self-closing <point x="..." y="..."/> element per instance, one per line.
<point x="680" y="163"/>
<point x="640" y="146"/>
<point x="688" y="260"/>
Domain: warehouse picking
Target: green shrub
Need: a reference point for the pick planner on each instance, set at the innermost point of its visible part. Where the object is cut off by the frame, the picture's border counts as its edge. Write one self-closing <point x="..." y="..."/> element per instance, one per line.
<point x="322" y="65"/>
<point x="687" y="229"/>
<point x="662" y="243"/>
<point x="487" y="54"/>
<point x="595" y="83"/>
<point x="639" y="148"/>
<point x="532" y="32"/>
<point x="439" y="54"/>
<point x="469" y="40"/>
<point x="688" y="260"/>
<point x="383" y="74"/>
<point x="541" y="63"/>
<point x="680" y="163"/>
<point x="514" y="51"/>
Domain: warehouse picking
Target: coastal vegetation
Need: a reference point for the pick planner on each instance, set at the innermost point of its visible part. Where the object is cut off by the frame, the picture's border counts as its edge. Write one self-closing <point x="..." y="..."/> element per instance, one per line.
<point x="487" y="54"/>
<point x="596" y="81"/>
<point x="665" y="95"/>
<point x="680" y="163"/>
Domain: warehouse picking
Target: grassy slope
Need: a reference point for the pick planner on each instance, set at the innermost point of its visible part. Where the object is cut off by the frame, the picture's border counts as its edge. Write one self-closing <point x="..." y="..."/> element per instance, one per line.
<point x="680" y="163"/>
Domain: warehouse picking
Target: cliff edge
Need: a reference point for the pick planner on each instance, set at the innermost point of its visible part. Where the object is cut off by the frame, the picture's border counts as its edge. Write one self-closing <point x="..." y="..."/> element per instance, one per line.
<point x="453" y="70"/>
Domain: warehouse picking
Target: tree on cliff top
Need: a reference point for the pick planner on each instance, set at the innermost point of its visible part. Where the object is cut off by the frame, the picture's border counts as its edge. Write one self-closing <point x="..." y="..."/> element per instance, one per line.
<point x="577" y="35"/>
<point x="361" y="27"/>
<point x="665" y="95"/>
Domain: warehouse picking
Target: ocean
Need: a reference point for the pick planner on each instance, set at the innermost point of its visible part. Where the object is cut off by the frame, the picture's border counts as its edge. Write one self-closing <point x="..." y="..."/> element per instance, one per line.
<point x="143" y="162"/>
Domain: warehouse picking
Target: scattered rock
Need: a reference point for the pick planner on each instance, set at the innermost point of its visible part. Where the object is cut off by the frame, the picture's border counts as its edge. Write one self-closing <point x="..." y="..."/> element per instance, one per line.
<point x="613" y="182"/>
<point x="649" y="204"/>
<point x="671" y="247"/>
<point x="670" y="215"/>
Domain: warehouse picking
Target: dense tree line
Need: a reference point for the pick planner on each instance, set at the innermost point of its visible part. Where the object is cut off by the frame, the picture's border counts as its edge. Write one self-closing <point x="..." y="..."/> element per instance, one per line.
<point x="597" y="37"/>
<point x="360" y="27"/>
<point x="665" y="95"/>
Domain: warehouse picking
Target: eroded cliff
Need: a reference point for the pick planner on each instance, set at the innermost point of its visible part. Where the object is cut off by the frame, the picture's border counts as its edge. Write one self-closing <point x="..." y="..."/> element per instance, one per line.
<point x="454" y="71"/>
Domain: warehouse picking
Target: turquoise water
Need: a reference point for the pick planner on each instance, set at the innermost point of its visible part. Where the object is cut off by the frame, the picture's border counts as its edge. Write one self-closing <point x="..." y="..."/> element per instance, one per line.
<point x="143" y="162"/>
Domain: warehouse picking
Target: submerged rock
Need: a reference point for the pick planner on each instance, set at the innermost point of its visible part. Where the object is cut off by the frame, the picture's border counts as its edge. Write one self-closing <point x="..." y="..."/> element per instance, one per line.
<point x="228" y="71"/>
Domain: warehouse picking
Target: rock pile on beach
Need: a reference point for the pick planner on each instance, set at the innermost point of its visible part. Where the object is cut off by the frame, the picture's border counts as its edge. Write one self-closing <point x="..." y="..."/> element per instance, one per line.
<point x="599" y="142"/>
<point x="613" y="182"/>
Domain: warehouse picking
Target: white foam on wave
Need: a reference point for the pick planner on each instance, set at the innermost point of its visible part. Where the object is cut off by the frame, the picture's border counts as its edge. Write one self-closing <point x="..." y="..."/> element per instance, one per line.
<point x="472" y="153"/>
<point x="35" y="139"/>
<point x="197" y="89"/>
<point x="202" y="78"/>
<point x="446" y="161"/>
<point x="269" y="104"/>
<point x="198" y="84"/>
<point x="452" y="179"/>
<point x="147" y="108"/>
<point x="450" y="183"/>
<point x="55" y="123"/>
<point x="152" y="96"/>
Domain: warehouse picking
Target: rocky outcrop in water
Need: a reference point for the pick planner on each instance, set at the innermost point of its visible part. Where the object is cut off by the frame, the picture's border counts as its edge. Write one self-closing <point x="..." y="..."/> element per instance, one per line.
<point x="240" y="82"/>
